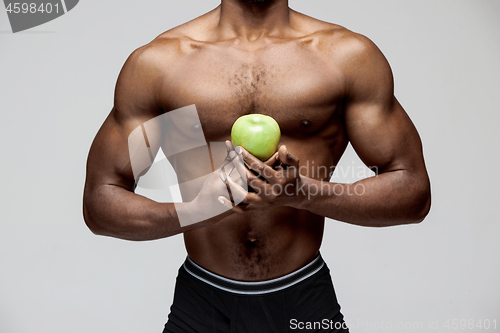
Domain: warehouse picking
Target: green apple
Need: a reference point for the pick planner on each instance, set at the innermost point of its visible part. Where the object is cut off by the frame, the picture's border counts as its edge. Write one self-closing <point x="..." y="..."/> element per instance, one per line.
<point x="257" y="133"/>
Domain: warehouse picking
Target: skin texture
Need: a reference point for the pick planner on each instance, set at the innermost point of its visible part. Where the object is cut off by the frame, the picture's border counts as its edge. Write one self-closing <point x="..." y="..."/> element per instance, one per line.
<point x="325" y="86"/>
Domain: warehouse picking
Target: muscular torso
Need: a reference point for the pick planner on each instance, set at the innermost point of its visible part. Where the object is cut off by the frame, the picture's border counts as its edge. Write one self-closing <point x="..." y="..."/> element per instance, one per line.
<point x="294" y="81"/>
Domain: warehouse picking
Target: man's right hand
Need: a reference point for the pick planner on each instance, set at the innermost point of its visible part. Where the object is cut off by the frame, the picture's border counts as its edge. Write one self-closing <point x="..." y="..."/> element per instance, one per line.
<point x="207" y="204"/>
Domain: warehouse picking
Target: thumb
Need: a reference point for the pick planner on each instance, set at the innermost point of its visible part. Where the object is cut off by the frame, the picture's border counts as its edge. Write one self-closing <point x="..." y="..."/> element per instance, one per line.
<point x="286" y="157"/>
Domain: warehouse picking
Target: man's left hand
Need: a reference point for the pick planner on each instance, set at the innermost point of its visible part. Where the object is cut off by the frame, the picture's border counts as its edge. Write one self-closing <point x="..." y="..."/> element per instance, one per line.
<point x="277" y="185"/>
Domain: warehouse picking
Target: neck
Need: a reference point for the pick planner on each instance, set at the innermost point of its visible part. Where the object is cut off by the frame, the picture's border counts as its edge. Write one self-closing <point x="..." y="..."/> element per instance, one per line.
<point x="249" y="21"/>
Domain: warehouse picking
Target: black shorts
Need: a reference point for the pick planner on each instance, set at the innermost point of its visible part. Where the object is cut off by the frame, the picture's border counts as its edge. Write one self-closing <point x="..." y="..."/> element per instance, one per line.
<point x="302" y="301"/>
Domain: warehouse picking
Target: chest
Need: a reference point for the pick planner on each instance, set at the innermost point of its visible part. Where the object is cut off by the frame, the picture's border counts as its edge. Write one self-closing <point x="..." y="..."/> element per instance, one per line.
<point x="291" y="85"/>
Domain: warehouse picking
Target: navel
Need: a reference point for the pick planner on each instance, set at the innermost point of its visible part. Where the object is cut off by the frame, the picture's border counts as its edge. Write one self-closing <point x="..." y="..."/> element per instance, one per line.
<point x="252" y="242"/>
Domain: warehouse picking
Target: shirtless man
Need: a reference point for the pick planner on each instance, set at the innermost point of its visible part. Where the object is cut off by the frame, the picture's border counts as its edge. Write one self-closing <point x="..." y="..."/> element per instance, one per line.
<point x="326" y="86"/>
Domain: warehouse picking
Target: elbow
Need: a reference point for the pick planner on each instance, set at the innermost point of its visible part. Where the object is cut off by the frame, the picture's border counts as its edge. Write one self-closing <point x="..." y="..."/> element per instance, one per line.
<point x="422" y="212"/>
<point x="422" y="205"/>
<point x="91" y="223"/>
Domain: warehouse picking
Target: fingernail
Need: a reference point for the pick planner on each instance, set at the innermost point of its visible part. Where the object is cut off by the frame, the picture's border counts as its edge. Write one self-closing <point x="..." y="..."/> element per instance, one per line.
<point x="232" y="154"/>
<point x="239" y="150"/>
<point x="223" y="177"/>
<point x="220" y="200"/>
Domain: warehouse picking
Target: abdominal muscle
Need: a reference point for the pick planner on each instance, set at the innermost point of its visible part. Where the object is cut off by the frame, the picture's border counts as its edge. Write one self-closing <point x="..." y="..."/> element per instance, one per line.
<point x="257" y="246"/>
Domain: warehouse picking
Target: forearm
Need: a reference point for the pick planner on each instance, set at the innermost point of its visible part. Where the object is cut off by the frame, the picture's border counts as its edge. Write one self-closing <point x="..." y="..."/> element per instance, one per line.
<point x="117" y="212"/>
<point x="391" y="198"/>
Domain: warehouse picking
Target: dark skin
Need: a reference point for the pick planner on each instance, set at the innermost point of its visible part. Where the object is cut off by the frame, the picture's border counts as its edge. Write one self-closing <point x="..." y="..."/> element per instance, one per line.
<point x="325" y="85"/>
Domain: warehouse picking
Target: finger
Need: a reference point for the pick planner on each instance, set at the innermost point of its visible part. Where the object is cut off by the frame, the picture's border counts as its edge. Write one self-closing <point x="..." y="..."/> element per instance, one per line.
<point x="228" y="204"/>
<point x="231" y="171"/>
<point x="286" y="157"/>
<point x="229" y="146"/>
<point x="240" y="182"/>
<point x="229" y="149"/>
<point x="273" y="161"/>
<point x="230" y="164"/>
<point x="251" y="180"/>
<point x="242" y="170"/>
<point x="225" y="201"/>
<point x="242" y="197"/>
<point x="223" y="177"/>
<point x="262" y="188"/>
<point x="234" y="175"/>
<point x="239" y="194"/>
<point x="257" y="165"/>
<point x="226" y="161"/>
<point x="231" y="206"/>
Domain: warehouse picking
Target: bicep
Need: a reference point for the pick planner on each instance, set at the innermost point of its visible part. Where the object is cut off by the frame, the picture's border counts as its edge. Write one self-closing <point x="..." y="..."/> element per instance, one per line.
<point x="109" y="160"/>
<point x="121" y="151"/>
<point x="383" y="136"/>
<point x="377" y="126"/>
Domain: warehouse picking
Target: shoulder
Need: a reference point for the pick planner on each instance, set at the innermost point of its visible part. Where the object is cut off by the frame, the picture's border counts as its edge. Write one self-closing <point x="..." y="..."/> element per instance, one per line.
<point x="141" y="76"/>
<point x="343" y="47"/>
<point x="358" y="62"/>
<point x="172" y="44"/>
<point x="347" y="46"/>
<point x="153" y="62"/>
<point x="329" y="34"/>
<point x="150" y="66"/>
<point x="357" y="49"/>
<point x="361" y="62"/>
<point x="154" y="54"/>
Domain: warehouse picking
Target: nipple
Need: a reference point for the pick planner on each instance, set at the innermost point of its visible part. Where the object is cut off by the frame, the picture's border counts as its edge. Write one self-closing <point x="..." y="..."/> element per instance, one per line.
<point x="196" y="127"/>
<point x="305" y="123"/>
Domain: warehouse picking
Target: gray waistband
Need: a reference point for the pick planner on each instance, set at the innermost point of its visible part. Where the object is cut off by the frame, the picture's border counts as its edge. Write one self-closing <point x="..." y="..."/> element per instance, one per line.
<point x="254" y="288"/>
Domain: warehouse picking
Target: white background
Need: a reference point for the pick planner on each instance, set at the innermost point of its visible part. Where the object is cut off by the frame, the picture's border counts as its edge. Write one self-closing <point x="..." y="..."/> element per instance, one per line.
<point x="56" y="88"/>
